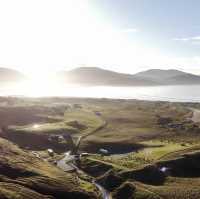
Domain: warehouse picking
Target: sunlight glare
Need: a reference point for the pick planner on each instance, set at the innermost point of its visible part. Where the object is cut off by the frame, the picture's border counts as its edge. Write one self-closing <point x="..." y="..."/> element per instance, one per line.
<point x="35" y="126"/>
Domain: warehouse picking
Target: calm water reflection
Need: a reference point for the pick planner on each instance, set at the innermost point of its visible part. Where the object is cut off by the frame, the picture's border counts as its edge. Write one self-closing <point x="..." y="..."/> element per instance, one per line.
<point x="166" y="93"/>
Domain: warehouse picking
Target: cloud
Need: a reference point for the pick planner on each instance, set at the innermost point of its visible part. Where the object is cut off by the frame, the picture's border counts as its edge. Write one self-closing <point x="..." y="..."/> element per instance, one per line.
<point x="188" y="39"/>
<point x="131" y="30"/>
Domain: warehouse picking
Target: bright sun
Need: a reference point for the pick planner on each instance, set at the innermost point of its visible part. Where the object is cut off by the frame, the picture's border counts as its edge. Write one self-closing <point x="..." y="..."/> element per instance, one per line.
<point x="39" y="85"/>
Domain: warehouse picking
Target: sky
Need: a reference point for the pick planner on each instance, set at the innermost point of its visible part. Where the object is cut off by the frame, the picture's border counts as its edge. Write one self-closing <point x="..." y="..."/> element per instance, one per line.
<point x="40" y="36"/>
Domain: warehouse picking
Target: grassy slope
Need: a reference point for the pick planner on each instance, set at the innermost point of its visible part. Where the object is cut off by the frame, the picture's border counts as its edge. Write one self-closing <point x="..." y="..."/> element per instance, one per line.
<point x="132" y="122"/>
<point x="23" y="174"/>
<point x="135" y="122"/>
<point x="129" y="122"/>
<point x="51" y="119"/>
<point x="182" y="180"/>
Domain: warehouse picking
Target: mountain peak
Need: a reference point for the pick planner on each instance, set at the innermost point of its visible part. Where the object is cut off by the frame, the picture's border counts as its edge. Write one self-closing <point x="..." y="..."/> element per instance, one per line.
<point x="90" y="69"/>
<point x="98" y="76"/>
<point x="159" y="74"/>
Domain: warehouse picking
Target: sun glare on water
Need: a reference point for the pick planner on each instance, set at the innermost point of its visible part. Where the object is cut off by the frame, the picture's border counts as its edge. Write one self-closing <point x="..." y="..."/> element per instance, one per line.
<point x="39" y="86"/>
<point x="49" y="86"/>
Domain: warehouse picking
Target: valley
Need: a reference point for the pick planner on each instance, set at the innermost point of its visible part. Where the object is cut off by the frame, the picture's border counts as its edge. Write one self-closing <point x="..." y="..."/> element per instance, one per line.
<point x="142" y="147"/>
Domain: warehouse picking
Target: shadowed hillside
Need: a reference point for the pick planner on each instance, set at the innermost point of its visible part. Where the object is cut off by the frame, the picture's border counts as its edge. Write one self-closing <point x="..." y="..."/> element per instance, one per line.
<point x="25" y="176"/>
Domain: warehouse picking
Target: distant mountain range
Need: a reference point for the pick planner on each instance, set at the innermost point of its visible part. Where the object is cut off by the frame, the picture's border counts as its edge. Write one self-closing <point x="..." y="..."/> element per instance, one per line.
<point x="98" y="76"/>
<point x="169" y="77"/>
<point x="153" y="77"/>
<point x="93" y="76"/>
<point x="11" y="76"/>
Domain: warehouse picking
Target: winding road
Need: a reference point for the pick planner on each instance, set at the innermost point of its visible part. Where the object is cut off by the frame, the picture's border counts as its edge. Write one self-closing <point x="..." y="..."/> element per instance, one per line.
<point x="67" y="163"/>
<point x="196" y="119"/>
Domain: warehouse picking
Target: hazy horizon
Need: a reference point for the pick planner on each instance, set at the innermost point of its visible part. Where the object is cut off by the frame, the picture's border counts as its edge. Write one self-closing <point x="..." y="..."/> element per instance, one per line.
<point x="123" y="36"/>
<point x="28" y="74"/>
<point x="99" y="99"/>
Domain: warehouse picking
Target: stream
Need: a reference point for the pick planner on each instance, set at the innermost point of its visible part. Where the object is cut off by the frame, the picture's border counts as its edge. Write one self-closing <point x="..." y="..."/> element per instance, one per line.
<point x="67" y="167"/>
<point x="105" y="193"/>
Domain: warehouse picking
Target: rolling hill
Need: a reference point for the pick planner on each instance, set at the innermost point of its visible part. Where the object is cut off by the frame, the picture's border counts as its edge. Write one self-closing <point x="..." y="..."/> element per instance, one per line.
<point x="93" y="76"/>
<point x="9" y="75"/>
<point x="169" y="77"/>
<point x="97" y="76"/>
<point x="25" y="176"/>
<point x="158" y="74"/>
